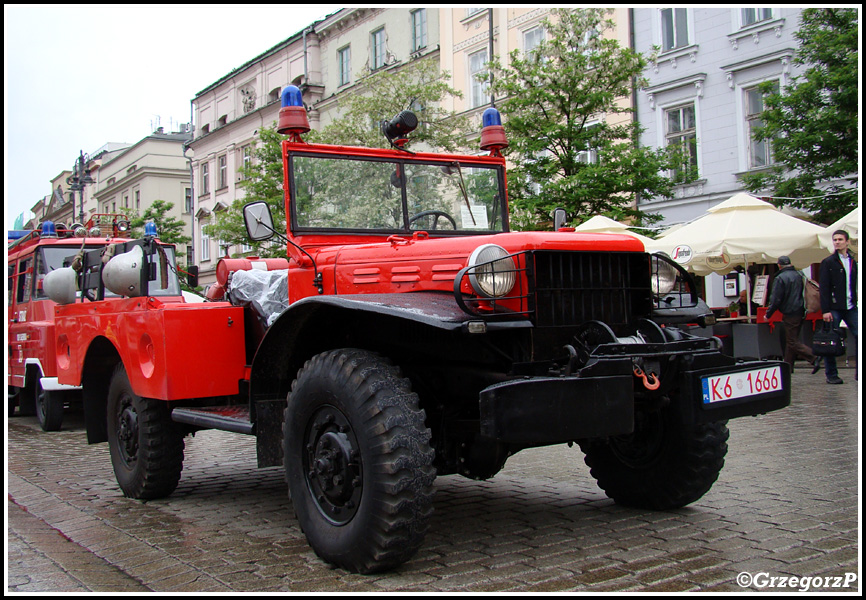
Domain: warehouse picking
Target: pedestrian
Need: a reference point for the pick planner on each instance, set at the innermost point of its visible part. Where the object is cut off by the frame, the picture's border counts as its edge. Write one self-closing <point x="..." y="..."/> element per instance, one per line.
<point x="838" y="285"/>
<point x="787" y="297"/>
<point x="744" y="304"/>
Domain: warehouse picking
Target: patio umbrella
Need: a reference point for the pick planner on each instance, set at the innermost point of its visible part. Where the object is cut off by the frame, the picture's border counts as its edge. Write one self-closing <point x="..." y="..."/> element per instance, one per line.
<point x="602" y="224"/>
<point x="850" y="223"/>
<point x="742" y="230"/>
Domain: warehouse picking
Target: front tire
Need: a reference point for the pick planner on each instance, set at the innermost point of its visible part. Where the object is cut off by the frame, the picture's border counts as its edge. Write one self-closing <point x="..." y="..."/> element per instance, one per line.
<point x="146" y="446"/>
<point x="662" y="465"/>
<point x="358" y="461"/>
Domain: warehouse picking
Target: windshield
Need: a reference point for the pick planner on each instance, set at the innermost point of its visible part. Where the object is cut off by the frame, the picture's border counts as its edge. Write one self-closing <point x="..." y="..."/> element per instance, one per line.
<point x="54" y="257"/>
<point x="367" y="195"/>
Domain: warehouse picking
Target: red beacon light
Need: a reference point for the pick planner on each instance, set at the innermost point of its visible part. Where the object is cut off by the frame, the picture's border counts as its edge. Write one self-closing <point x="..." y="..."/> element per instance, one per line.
<point x="293" y="116"/>
<point x="492" y="132"/>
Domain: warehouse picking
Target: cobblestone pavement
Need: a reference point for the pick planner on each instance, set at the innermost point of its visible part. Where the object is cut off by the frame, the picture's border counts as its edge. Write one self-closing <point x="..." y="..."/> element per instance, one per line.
<point x="786" y="504"/>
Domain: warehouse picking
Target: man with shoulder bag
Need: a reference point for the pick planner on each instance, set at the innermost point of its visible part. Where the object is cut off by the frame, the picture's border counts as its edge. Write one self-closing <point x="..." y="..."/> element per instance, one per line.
<point x="787" y="296"/>
<point x="838" y="281"/>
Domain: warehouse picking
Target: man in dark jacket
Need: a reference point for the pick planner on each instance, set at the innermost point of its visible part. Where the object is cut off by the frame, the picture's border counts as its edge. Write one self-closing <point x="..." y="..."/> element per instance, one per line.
<point x="787" y="297"/>
<point x="838" y="281"/>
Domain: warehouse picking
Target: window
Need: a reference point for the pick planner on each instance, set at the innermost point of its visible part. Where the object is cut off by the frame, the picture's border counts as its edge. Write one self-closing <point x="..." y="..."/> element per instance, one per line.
<point x="531" y="40"/>
<point x="137" y="199"/>
<point x="473" y="11"/>
<point x="246" y="161"/>
<point x="205" y="179"/>
<point x="205" y="242"/>
<point x="10" y="284"/>
<point x="25" y="275"/>
<point x="222" y="174"/>
<point x="187" y="200"/>
<point x="760" y="151"/>
<point x="377" y="59"/>
<point x="681" y="133"/>
<point x="750" y="16"/>
<point x="344" y="61"/>
<point x="478" y="67"/>
<point x="675" y="28"/>
<point x="590" y="155"/>
<point x="419" y="29"/>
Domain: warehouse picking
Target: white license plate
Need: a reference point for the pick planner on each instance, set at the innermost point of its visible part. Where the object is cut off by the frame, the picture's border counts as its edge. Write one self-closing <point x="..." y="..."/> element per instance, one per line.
<point x="730" y="386"/>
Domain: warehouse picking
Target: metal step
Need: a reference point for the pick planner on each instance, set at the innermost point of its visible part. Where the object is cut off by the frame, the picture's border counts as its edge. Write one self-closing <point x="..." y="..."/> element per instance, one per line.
<point x="224" y="418"/>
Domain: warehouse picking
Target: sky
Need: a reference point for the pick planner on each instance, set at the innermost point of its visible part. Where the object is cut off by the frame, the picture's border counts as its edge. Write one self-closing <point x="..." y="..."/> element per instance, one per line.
<point x="79" y="76"/>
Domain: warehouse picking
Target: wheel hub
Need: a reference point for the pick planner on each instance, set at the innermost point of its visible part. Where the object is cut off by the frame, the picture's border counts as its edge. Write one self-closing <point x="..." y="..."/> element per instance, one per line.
<point x="332" y="462"/>
<point x="643" y="447"/>
<point x="127" y="433"/>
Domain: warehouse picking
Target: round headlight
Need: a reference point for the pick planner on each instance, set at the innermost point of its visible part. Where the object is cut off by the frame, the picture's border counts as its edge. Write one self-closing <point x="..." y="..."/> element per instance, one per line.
<point x="663" y="277"/>
<point x="493" y="271"/>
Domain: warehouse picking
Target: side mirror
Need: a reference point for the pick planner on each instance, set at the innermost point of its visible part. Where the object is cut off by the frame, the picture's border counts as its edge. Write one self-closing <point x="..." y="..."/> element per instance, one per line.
<point x="258" y="221"/>
<point x="559" y="215"/>
<point x="192" y="276"/>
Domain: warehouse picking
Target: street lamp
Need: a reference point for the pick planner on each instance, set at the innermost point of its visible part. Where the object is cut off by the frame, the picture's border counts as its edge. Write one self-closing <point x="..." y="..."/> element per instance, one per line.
<point x="79" y="178"/>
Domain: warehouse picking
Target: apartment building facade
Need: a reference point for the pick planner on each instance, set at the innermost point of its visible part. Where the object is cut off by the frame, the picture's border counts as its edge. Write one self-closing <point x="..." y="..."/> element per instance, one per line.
<point x="326" y="60"/>
<point x="357" y="42"/>
<point x="154" y="168"/>
<point x="703" y="96"/>
<point x="701" y="91"/>
<point x="62" y="205"/>
<point x="228" y="115"/>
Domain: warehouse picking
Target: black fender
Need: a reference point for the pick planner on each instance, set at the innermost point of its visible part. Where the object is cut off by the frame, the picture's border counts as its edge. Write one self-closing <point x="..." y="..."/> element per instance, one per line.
<point x="319" y="323"/>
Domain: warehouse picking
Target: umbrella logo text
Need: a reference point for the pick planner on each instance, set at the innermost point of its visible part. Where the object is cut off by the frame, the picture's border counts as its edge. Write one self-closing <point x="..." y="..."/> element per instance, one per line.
<point x="682" y="254"/>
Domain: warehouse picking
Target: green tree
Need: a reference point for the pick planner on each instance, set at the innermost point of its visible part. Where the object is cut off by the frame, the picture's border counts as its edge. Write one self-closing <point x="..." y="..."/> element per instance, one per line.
<point x="169" y="229"/>
<point x="571" y="134"/>
<point x="812" y="124"/>
<point x="263" y="182"/>
<point x="419" y="87"/>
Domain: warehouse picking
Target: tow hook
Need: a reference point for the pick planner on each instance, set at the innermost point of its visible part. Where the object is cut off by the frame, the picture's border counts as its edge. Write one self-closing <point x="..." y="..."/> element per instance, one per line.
<point x="650" y="382"/>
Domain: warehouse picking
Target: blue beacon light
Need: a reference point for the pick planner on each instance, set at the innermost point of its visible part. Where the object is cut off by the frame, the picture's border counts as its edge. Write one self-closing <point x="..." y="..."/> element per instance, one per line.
<point x="491" y="117"/>
<point x="150" y="229"/>
<point x="48" y="229"/>
<point x="291" y="96"/>
<point x="492" y="132"/>
<point x="292" y="119"/>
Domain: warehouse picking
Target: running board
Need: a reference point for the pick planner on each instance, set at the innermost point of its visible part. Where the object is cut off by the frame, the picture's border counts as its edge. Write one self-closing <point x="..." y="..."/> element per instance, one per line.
<point x="225" y="418"/>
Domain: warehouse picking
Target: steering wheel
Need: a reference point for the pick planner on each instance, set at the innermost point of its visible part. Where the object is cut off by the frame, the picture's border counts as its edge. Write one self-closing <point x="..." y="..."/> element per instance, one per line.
<point x="437" y="214"/>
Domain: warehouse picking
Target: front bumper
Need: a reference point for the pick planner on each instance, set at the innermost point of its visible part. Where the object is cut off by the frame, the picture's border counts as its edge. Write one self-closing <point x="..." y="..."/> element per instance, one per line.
<point x="600" y="401"/>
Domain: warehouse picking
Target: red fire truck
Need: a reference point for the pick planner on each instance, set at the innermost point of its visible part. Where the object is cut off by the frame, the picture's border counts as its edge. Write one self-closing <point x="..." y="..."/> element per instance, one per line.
<point x="32" y="373"/>
<point x="409" y="334"/>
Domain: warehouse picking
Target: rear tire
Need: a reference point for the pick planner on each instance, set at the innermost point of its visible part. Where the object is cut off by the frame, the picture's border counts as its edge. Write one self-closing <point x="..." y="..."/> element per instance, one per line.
<point x="662" y="465"/>
<point x="146" y="446"/>
<point x="358" y="461"/>
<point x="49" y="408"/>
